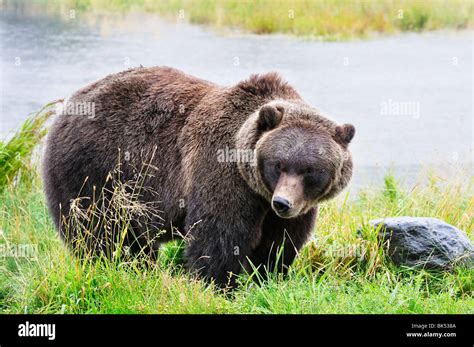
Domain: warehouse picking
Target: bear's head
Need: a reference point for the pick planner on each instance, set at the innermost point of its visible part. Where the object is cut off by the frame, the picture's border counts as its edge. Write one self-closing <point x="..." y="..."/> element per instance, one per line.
<point x="302" y="157"/>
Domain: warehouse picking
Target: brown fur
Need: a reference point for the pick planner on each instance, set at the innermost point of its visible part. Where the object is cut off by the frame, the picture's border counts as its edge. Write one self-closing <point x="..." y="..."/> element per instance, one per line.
<point x="227" y="211"/>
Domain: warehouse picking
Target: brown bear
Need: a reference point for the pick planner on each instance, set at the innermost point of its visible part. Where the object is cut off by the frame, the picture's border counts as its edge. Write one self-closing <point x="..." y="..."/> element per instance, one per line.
<point x="238" y="171"/>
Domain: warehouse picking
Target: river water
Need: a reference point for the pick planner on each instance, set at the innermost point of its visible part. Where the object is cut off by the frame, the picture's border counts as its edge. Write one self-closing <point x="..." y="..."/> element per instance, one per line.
<point x="410" y="96"/>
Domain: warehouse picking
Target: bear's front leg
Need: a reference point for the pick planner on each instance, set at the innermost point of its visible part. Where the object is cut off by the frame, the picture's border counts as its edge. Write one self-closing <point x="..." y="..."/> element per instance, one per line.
<point x="281" y="241"/>
<point x="221" y="236"/>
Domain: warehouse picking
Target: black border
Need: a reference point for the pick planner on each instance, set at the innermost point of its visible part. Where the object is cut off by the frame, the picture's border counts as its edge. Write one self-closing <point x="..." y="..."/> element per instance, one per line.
<point x="317" y="330"/>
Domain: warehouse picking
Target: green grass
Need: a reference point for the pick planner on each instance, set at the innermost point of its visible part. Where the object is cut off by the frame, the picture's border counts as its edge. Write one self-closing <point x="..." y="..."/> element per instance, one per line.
<point x="16" y="153"/>
<point x="322" y="280"/>
<point x="324" y="19"/>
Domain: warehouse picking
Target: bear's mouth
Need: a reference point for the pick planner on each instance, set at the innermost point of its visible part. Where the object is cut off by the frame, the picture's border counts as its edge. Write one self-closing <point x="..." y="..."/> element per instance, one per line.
<point x="285" y="215"/>
<point x="292" y="213"/>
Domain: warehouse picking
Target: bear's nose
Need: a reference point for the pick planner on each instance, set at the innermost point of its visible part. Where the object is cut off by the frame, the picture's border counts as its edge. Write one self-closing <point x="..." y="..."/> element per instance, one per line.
<point x="281" y="205"/>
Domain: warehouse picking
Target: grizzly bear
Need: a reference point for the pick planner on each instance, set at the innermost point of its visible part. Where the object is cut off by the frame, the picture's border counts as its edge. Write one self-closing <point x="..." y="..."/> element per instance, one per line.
<point x="237" y="171"/>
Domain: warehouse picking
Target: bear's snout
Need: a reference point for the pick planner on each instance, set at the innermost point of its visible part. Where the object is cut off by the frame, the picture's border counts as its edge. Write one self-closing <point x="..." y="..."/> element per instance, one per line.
<point x="281" y="205"/>
<point x="288" y="196"/>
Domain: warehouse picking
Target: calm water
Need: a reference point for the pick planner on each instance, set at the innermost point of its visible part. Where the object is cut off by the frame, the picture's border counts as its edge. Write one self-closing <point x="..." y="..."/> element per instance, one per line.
<point x="410" y="97"/>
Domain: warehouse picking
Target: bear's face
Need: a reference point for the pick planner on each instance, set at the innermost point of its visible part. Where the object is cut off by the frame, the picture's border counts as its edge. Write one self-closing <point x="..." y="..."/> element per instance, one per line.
<point x="302" y="158"/>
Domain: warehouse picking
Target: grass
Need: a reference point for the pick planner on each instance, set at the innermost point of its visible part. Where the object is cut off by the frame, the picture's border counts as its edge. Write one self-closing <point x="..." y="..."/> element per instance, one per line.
<point x="16" y="153"/>
<point x="324" y="19"/>
<point x="337" y="272"/>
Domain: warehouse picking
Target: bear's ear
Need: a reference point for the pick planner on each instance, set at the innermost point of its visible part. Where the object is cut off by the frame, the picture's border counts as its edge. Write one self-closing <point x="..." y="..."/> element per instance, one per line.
<point x="269" y="117"/>
<point x="344" y="133"/>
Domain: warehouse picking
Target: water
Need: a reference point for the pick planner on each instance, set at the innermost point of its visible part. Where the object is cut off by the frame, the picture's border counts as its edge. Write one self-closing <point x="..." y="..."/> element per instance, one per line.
<point x="409" y="96"/>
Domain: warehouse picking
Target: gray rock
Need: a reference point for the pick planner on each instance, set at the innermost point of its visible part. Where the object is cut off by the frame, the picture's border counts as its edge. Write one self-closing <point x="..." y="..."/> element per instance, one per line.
<point x="425" y="242"/>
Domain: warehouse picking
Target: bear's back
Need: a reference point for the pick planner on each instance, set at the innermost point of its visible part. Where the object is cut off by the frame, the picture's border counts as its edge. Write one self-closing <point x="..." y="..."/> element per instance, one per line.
<point x="129" y="115"/>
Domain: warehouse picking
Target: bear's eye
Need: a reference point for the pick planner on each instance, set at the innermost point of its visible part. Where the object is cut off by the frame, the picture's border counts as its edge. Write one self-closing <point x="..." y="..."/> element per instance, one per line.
<point x="277" y="166"/>
<point x="308" y="171"/>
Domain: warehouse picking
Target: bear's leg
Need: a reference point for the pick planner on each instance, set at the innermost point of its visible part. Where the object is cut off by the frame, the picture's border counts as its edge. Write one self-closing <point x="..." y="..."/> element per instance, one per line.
<point x="219" y="239"/>
<point x="281" y="241"/>
<point x="140" y="241"/>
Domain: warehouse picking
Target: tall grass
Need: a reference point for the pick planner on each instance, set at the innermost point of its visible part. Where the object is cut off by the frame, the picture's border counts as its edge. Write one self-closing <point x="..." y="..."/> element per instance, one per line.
<point x="16" y="153"/>
<point x="326" y="19"/>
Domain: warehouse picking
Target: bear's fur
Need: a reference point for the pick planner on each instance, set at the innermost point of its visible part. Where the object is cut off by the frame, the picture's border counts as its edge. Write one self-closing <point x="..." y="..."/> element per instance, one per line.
<point x="231" y="212"/>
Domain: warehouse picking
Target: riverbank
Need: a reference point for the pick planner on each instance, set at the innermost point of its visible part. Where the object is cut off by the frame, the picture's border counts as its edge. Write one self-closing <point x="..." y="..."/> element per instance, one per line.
<point x="325" y="20"/>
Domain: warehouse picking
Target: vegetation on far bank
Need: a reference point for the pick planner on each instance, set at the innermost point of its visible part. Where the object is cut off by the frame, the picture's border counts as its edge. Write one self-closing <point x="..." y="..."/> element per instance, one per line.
<point x="337" y="272"/>
<point x="324" y="19"/>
